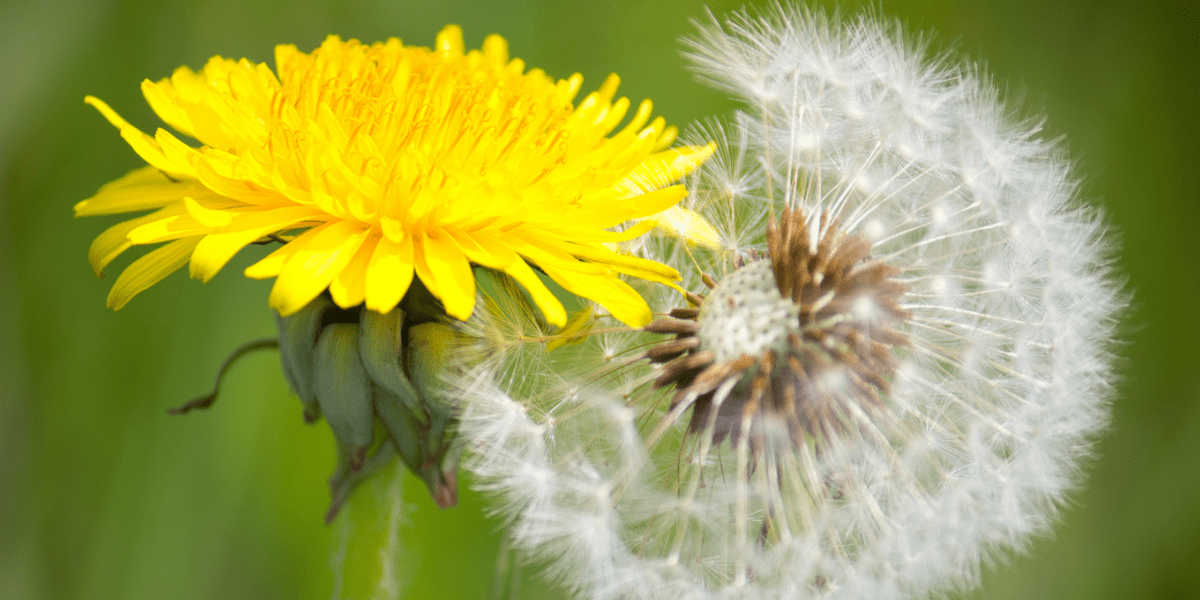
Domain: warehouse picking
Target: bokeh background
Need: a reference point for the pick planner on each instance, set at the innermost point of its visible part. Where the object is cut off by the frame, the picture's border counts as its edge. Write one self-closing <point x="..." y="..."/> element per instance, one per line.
<point x="102" y="495"/>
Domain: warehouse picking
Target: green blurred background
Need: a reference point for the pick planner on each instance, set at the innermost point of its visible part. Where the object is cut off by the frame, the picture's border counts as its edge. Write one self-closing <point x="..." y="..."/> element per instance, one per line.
<point x="102" y="495"/>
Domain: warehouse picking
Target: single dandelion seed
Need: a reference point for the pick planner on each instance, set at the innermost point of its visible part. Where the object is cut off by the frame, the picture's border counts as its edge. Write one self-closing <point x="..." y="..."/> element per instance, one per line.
<point x="388" y="175"/>
<point x="887" y="376"/>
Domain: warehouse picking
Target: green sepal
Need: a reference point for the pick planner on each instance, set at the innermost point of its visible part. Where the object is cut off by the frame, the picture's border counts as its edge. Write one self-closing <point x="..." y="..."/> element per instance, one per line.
<point x="380" y="339"/>
<point x="344" y="388"/>
<point x="427" y="355"/>
<point x="297" y="341"/>
<point x="403" y="429"/>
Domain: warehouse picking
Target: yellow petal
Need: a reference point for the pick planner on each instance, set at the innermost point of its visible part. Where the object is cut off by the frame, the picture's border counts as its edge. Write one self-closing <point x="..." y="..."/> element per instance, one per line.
<point x="667" y="138"/>
<point x="149" y="270"/>
<point x="142" y="189"/>
<point x="273" y="263"/>
<point x="243" y="191"/>
<point x="617" y="211"/>
<point x="681" y="223"/>
<point x="393" y="229"/>
<point x="574" y="331"/>
<point x="613" y="294"/>
<point x="326" y="251"/>
<point x="115" y="240"/>
<point x="349" y="288"/>
<point x="605" y="236"/>
<point x="493" y="253"/>
<point x="495" y="49"/>
<point x="542" y="296"/>
<point x="445" y="271"/>
<point x="613" y="116"/>
<point x="187" y="84"/>
<point x="449" y="41"/>
<point x="596" y="256"/>
<point x="217" y="248"/>
<point x="540" y="254"/>
<point x="144" y="145"/>
<point x="160" y="97"/>
<point x="639" y="118"/>
<point x="666" y="167"/>
<point x="389" y="274"/>
<point x="630" y="265"/>
<point x="169" y="228"/>
<point x="182" y="223"/>
<point x="206" y="216"/>
<point x="608" y="89"/>
<point x="483" y="249"/>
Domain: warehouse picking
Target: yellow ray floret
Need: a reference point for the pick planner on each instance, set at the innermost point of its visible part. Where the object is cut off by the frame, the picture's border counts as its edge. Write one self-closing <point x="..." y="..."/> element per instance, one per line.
<point x="377" y="164"/>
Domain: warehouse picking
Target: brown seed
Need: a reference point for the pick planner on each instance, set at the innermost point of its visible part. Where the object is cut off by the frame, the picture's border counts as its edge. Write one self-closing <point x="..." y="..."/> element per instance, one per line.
<point x="669" y="350"/>
<point x="683" y="365"/>
<point x="685" y="313"/>
<point x="671" y="326"/>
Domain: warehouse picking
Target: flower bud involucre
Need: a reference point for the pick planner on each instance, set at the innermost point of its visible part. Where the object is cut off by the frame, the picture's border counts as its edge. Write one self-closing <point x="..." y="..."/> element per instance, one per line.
<point x="886" y="377"/>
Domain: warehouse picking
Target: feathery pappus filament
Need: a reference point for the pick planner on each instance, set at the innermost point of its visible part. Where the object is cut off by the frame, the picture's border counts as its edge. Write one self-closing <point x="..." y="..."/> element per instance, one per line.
<point x="885" y="378"/>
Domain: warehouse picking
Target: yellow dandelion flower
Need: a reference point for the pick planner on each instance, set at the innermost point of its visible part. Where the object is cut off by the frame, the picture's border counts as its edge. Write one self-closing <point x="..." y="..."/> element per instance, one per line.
<point x="377" y="164"/>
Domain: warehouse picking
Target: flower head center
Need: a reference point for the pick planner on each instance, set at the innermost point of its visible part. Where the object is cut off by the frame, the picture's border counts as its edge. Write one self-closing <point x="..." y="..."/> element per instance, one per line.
<point x="413" y="125"/>
<point x="797" y="343"/>
<point x="745" y="315"/>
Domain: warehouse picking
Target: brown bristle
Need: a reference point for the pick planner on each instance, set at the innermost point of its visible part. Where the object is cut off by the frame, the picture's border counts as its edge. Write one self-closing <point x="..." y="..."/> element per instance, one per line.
<point x="716" y="373"/>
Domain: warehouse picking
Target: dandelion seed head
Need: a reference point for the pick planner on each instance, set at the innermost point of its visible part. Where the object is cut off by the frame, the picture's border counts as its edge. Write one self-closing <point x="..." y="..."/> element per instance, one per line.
<point x="885" y="376"/>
